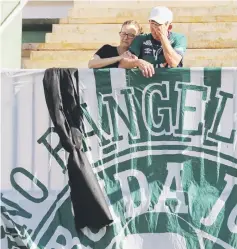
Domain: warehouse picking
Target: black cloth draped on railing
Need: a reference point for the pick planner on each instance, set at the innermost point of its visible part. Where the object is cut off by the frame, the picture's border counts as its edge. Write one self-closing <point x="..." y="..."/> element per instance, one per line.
<point x="61" y="93"/>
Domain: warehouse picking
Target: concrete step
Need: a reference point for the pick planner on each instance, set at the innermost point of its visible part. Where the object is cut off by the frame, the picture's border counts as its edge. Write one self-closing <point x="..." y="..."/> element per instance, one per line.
<point x="43" y="64"/>
<point x="193" y="57"/>
<point x="211" y="58"/>
<point x="89" y="45"/>
<point x="214" y="35"/>
<point x="84" y="55"/>
<point x="130" y="4"/>
<point x="119" y="15"/>
<point x="70" y="46"/>
<point x="186" y="28"/>
<point x="215" y="54"/>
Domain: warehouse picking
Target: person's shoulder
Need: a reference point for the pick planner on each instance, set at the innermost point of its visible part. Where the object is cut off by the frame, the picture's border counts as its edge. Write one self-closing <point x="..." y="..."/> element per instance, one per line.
<point x="105" y="49"/>
<point x="144" y="36"/>
<point x="177" y="36"/>
<point x="178" y="42"/>
<point x="108" y="46"/>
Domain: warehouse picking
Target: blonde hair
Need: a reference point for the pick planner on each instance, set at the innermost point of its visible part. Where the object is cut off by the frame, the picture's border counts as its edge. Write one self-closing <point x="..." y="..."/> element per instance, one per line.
<point x="135" y="23"/>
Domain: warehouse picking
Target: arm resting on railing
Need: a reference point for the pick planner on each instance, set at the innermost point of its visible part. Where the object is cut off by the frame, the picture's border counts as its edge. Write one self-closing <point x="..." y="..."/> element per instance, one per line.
<point x="97" y="62"/>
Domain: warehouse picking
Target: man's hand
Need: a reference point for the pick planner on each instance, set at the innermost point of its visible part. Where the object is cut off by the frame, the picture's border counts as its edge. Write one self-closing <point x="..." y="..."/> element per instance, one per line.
<point x="161" y="31"/>
<point x="127" y="55"/>
<point x="130" y="61"/>
<point x="146" y="68"/>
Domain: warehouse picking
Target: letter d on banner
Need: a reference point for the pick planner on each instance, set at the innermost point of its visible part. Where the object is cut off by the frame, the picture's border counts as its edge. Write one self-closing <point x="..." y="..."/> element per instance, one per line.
<point x="132" y="211"/>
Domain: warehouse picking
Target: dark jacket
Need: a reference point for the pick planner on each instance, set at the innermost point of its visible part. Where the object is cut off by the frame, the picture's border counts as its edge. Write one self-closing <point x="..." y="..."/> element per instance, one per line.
<point x="90" y="207"/>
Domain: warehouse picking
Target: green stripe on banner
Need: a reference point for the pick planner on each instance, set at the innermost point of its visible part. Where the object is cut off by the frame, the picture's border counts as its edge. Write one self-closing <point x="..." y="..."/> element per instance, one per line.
<point x="175" y="148"/>
<point x="50" y="211"/>
<point x="212" y="77"/>
<point x="103" y="81"/>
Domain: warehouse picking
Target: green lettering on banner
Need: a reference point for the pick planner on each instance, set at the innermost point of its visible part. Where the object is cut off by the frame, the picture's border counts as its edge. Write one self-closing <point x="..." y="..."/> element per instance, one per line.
<point x="16" y="230"/>
<point x="96" y="130"/>
<point x="17" y="210"/>
<point x="222" y="103"/>
<point x="211" y="79"/>
<point x="9" y="214"/>
<point x="183" y="89"/>
<point x="53" y="152"/>
<point x="34" y="181"/>
<point x="122" y="177"/>
<point x="14" y="245"/>
<point x="113" y="109"/>
<point x="157" y="121"/>
<point x="174" y="173"/>
<point x="219" y="205"/>
<point x="62" y="238"/>
<point x="232" y="220"/>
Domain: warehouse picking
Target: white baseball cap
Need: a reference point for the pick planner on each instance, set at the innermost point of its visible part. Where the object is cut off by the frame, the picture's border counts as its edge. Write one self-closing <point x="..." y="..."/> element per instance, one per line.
<point x="161" y="15"/>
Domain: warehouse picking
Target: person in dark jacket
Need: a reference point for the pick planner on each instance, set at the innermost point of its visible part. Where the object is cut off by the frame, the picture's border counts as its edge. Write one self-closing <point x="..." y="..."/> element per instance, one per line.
<point x="109" y="56"/>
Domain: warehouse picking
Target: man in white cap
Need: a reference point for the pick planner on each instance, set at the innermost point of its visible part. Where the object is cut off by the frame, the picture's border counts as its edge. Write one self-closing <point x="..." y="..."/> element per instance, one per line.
<point x="160" y="48"/>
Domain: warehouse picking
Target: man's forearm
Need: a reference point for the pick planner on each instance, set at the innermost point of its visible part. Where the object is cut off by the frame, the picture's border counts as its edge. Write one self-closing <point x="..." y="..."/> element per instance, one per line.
<point x="171" y="56"/>
<point x="128" y="63"/>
